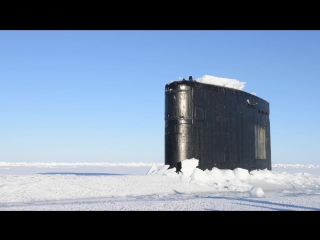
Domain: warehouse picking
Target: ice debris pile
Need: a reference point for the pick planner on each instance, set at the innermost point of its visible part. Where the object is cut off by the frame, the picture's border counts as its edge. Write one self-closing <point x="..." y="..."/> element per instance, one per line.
<point x="238" y="180"/>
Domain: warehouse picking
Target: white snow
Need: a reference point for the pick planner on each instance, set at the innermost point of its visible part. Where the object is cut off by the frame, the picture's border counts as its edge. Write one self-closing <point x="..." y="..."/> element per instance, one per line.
<point x="256" y="192"/>
<point x="224" y="82"/>
<point x="143" y="186"/>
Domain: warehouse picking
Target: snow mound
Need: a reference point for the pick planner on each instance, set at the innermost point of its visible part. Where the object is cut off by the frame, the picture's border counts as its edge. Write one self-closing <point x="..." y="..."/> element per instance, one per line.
<point x="256" y="192"/>
<point x="224" y="82"/>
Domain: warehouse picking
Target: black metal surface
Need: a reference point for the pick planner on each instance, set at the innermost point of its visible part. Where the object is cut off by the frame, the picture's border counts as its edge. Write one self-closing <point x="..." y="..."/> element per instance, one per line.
<point x="221" y="127"/>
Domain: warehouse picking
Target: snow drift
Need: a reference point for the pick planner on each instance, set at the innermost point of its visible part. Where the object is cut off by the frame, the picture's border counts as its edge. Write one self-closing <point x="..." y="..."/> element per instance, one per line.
<point x="224" y="82"/>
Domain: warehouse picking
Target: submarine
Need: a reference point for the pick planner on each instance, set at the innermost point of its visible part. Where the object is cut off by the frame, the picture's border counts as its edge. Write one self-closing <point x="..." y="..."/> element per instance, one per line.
<point x="222" y="127"/>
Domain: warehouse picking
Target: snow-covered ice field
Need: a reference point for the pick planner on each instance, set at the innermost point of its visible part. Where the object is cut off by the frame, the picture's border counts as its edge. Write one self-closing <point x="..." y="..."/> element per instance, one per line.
<point x="153" y="187"/>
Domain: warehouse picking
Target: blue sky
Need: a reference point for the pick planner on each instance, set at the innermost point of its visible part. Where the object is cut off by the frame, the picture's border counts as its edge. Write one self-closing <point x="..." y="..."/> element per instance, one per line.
<point x="98" y="96"/>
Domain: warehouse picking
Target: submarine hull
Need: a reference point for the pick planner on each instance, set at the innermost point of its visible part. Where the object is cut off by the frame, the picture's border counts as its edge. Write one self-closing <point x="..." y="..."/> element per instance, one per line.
<point x="221" y="127"/>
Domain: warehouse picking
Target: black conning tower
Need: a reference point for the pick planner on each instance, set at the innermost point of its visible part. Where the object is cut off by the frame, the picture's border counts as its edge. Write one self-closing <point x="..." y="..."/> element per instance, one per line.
<point x="221" y="127"/>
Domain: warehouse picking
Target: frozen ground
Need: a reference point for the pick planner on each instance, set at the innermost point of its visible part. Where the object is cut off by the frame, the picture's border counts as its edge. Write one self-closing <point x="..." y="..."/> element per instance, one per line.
<point x="154" y="187"/>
